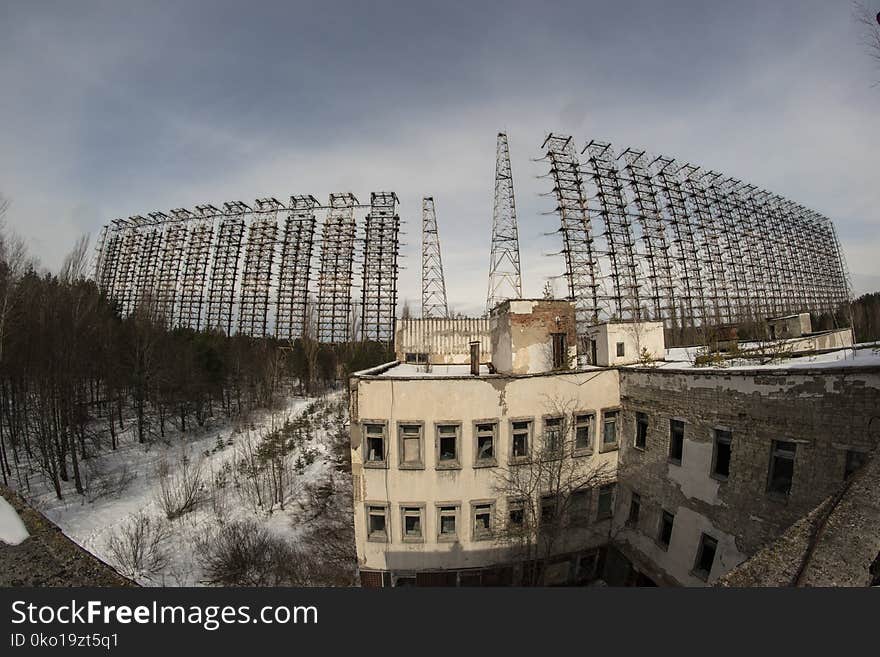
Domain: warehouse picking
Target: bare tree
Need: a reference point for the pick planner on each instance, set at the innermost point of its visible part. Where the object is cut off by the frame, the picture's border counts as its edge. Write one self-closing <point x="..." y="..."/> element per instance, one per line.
<point x="869" y="22"/>
<point x="547" y="492"/>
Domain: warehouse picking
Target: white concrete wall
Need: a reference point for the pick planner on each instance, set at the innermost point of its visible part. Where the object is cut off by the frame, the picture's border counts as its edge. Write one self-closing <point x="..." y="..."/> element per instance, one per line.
<point x="465" y="400"/>
<point x="446" y="341"/>
<point x="635" y="336"/>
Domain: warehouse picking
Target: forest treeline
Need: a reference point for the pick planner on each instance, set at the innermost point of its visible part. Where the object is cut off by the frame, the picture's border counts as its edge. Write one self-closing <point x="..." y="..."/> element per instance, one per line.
<point x="75" y="374"/>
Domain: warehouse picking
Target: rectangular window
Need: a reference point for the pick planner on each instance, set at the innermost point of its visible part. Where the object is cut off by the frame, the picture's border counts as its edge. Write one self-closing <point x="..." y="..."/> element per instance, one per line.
<point x="447" y="445"/>
<point x="781" y="467"/>
<point x="606" y="501"/>
<point x="377" y="522"/>
<point x="854" y="461"/>
<point x="583" y="433"/>
<point x="705" y="556"/>
<point x="375" y="444"/>
<point x="485" y="446"/>
<point x="521" y="431"/>
<point x="664" y="535"/>
<point x="516" y="513"/>
<point x="447" y="522"/>
<point x="412" y="521"/>
<point x="721" y="458"/>
<point x="641" y="430"/>
<point x="483" y="517"/>
<point x="416" y="358"/>
<point x="549" y="504"/>
<point x="635" y="506"/>
<point x="559" y="351"/>
<point x="609" y="428"/>
<point x="621" y="350"/>
<point x="553" y="435"/>
<point x="579" y="507"/>
<point x="676" y="440"/>
<point x="410" y="439"/>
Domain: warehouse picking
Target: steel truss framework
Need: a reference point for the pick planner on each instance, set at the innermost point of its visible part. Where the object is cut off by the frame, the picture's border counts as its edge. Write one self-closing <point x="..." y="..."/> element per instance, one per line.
<point x="381" y="248"/>
<point x="434" y="302"/>
<point x="248" y="268"/>
<point x="692" y="248"/>
<point x="505" y="279"/>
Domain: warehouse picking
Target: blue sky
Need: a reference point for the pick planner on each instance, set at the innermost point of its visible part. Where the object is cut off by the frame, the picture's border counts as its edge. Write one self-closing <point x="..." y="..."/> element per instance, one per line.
<point x="111" y="109"/>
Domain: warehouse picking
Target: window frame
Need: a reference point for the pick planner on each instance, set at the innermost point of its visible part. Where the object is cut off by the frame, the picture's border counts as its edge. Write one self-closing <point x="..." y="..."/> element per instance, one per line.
<point x="854" y="455"/>
<point x="611" y="447"/>
<point x="482" y="536"/>
<point x="620" y="350"/>
<point x="612" y="486"/>
<point x="669" y="457"/>
<point x="450" y="464"/>
<point x="591" y="433"/>
<point x="697" y="571"/>
<point x="659" y="536"/>
<point x="716" y="439"/>
<point x="559" y="350"/>
<point x="560" y="451"/>
<point x="401" y="465"/>
<point x="512" y="504"/>
<point x="530" y="437"/>
<point x="405" y="507"/>
<point x="440" y="514"/>
<point x="368" y="507"/>
<point x="774" y="455"/>
<point x="580" y="520"/>
<point x="493" y="461"/>
<point x="383" y="464"/>
<point x="635" y="501"/>
<point x="647" y="425"/>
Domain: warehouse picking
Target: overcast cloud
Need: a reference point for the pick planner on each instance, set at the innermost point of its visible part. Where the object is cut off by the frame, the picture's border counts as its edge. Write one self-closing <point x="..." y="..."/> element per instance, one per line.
<point x="110" y="110"/>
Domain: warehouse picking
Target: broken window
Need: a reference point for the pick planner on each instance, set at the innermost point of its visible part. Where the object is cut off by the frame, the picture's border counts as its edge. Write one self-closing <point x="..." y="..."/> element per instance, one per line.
<point x="606" y="501"/>
<point x="485" y="433"/>
<point x="553" y="435"/>
<point x="412" y="523"/>
<point x="447" y="517"/>
<point x="416" y="358"/>
<point x="548" y="509"/>
<point x="721" y="459"/>
<point x="583" y="430"/>
<point x="781" y="467"/>
<point x="854" y="461"/>
<point x="664" y="535"/>
<point x="560" y="360"/>
<point x="635" y="506"/>
<point x="676" y="440"/>
<point x="375" y="444"/>
<point x="516" y="512"/>
<point x="377" y="522"/>
<point x="483" y="514"/>
<point x="641" y="430"/>
<point x="447" y="445"/>
<point x="621" y="350"/>
<point x="609" y="428"/>
<point x="705" y="556"/>
<point x="579" y="507"/>
<point x="520" y="444"/>
<point x="410" y="437"/>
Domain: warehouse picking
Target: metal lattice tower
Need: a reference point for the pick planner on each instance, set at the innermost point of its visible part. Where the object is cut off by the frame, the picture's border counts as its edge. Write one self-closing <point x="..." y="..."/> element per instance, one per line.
<point x="576" y="229"/>
<point x="107" y="259"/>
<point x="295" y="268"/>
<point x="621" y="287"/>
<point x="171" y="262"/>
<point x="224" y="273"/>
<point x="505" y="280"/>
<point x="433" y="283"/>
<point x="125" y="288"/>
<point x="334" y="282"/>
<point x="381" y="247"/>
<point x="195" y="271"/>
<point x="253" y="309"/>
<point x="660" y="264"/>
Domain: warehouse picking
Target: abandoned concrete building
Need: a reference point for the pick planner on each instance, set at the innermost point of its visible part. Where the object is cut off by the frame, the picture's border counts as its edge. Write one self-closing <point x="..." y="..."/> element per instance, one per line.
<point x="486" y="454"/>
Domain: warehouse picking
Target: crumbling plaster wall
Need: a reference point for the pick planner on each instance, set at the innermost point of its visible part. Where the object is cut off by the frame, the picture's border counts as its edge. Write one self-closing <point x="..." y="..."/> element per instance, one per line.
<point x="825" y="412"/>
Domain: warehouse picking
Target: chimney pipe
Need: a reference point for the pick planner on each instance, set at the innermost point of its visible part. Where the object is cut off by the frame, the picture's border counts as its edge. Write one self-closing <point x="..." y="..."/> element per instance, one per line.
<point x="475" y="358"/>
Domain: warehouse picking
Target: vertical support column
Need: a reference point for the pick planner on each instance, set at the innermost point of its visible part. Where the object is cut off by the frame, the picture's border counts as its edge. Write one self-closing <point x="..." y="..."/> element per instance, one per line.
<point x="505" y="280"/>
<point x="334" y="283"/>
<point x="253" y="317"/>
<point x="433" y="282"/>
<point x="295" y="269"/>
<point x="224" y="274"/>
<point x="379" y="292"/>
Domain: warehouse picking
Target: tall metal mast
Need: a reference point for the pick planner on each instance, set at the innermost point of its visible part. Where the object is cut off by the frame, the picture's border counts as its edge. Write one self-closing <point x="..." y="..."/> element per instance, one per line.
<point x="433" y="284"/>
<point x="505" y="281"/>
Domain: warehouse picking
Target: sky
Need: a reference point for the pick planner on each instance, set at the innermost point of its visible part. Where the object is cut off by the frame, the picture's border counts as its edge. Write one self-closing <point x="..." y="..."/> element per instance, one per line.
<point x="111" y="109"/>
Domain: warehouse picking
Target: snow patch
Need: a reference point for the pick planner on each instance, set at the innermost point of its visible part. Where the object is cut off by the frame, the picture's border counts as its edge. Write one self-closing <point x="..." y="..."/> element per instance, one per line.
<point x="12" y="529"/>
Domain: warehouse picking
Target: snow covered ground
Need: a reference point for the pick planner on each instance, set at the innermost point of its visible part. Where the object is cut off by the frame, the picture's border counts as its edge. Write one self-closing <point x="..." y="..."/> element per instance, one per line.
<point x="12" y="529"/>
<point x="861" y="356"/>
<point x="126" y="482"/>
